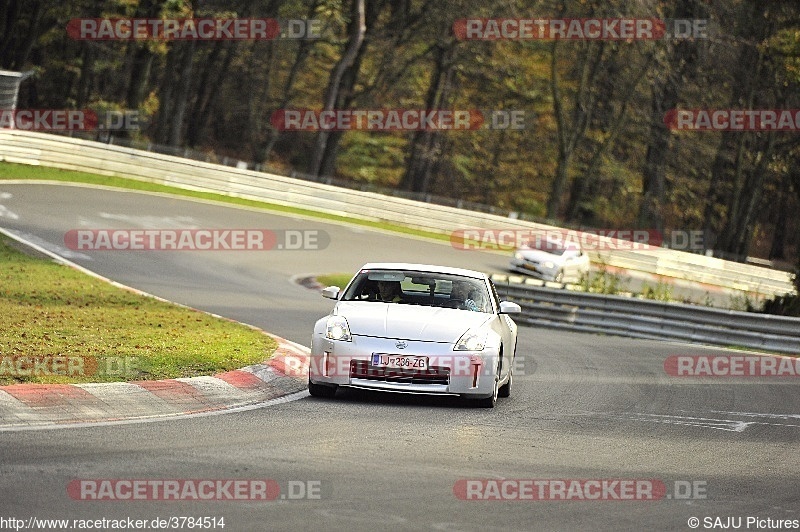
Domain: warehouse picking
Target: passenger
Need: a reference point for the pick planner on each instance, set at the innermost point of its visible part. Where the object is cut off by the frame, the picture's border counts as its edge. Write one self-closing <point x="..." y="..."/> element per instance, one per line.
<point x="462" y="295"/>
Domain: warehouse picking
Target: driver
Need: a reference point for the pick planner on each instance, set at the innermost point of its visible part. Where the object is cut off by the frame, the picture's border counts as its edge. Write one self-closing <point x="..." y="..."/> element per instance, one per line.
<point x="390" y="292"/>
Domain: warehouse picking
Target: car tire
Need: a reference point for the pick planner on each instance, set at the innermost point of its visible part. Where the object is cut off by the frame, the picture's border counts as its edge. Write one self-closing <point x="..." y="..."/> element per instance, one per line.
<point x="491" y="401"/>
<point x="505" y="390"/>
<point x="321" y="390"/>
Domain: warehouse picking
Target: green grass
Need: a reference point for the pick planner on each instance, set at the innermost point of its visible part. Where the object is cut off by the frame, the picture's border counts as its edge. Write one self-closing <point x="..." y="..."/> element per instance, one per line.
<point x="603" y="282"/>
<point x="334" y="279"/>
<point x="110" y="334"/>
<point x="25" y="171"/>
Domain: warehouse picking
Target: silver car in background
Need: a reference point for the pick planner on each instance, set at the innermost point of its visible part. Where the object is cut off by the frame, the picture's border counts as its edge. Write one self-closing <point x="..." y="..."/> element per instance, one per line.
<point x="551" y="260"/>
<point x="416" y="329"/>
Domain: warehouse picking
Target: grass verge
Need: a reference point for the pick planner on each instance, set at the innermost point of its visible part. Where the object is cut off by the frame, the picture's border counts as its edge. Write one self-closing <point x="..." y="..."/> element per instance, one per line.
<point x="334" y="279"/>
<point x="63" y="326"/>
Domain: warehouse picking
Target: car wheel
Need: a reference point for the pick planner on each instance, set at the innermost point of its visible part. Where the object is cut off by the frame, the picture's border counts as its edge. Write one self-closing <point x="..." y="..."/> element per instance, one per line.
<point x="490" y="401"/>
<point x="505" y="390"/>
<point x="321" y="390"/>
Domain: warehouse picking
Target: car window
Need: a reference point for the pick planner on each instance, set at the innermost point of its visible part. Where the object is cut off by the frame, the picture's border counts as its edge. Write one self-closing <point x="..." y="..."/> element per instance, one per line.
<point x="414" y="285"/>
<point x="553" y="248"/>
<point x="421" y="288"/>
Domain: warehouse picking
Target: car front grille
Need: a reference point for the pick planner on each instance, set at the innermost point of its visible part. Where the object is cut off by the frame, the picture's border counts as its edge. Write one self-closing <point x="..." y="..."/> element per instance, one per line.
<point x="362" y="369"/>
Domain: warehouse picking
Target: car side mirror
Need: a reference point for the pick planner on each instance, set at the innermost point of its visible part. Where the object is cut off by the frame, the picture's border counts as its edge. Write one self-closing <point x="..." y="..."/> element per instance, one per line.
<point x="509" y="307"/>
<point x="331" y="292"/>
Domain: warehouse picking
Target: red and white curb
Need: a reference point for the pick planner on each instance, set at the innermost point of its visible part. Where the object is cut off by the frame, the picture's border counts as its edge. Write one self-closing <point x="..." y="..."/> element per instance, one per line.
<point x="31" y="405"/>
<point x="282" y="377"/>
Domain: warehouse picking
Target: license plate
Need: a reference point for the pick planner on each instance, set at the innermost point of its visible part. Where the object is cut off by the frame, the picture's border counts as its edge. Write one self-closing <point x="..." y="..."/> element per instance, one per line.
<point x="530" y="267"/>
<point x="400" y="361"/>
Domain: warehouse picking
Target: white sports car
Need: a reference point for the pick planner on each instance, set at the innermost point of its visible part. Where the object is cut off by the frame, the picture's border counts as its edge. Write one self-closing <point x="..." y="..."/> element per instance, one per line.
<point x="419" y="329"/>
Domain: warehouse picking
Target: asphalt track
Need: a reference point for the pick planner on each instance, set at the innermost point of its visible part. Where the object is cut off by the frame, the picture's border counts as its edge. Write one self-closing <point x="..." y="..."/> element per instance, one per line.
<point x="583" y="407"/>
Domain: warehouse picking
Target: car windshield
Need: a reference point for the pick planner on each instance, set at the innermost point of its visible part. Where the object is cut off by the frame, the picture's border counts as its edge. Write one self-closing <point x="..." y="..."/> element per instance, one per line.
<point x="419" y="288"/>
<point x="549" y="246"/>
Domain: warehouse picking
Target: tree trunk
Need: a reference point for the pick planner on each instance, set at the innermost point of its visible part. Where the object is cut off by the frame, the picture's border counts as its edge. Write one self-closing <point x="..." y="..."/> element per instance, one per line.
<point x="742" y="226"/>
<point x="664" y="97"/>
<point x="425" y="145"/>
<point x="737" y="183"/>
<point x="166" y="98"/>
<point x="10" y="10"/>
<point x="570" y="135"/>
<point x="141" y="58"/>
<point x="778" y="248"/>
<point x="358" y="30"/>
<point x="209" y="89"/>
<point x="182" y="94"/>
<point x="88" y="56"/>
<point x="303" y="51"/>
<point x="585" y="188"/>
<point x="347" y="92"/>
<point x="36" y="11"/>
<point x="140" y="74"/>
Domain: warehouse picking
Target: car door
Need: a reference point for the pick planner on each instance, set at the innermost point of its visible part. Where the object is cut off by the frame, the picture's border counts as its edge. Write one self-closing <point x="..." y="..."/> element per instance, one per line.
<point x="508" y="332"/>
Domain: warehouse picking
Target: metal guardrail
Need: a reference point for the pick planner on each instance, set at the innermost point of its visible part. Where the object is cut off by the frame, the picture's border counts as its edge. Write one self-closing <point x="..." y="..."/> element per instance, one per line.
<point x="641" y="318"/>
<point x="96" y="157"/>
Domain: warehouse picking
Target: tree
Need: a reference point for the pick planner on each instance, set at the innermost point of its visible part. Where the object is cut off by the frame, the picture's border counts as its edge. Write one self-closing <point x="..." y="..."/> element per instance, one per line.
<point x="357" y="31"/>
<point x="671" y="66"/>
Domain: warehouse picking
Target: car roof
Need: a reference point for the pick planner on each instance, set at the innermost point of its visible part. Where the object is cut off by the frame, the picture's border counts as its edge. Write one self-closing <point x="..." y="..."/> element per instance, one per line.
<point x="423" y="268"/>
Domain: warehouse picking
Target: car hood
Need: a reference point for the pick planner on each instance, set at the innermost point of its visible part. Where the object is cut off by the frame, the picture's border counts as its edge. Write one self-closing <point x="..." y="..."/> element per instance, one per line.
<point x="409" y="322"/>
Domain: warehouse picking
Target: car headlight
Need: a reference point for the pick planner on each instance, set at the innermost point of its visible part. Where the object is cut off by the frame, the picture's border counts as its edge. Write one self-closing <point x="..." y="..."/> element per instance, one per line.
<point x="519" y="256"/>
<point x="471" y="341"/>
<point x="337" y="329"/>
<point x="549" y="265"/>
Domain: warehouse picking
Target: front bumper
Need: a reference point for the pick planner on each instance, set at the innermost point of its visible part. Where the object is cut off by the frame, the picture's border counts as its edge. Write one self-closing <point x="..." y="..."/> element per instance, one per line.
<point x="532" y="268"/>
<point x="463" y="373"/>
